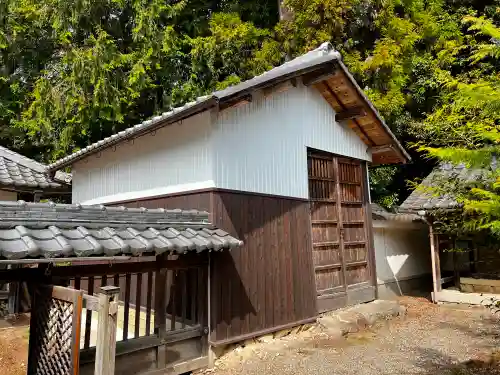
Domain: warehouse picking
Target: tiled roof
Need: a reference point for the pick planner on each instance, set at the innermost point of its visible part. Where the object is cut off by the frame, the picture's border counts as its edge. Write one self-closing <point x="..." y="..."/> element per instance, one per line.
<point x="48" y="230"/>
<point x="17" y="171"/>
<point x="380" y="213"/>
<point x="316" y="58"/>
<point x="424" y="200"/>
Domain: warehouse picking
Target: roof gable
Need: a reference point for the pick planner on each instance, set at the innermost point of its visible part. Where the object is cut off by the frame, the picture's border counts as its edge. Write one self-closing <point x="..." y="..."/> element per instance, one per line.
<point x="321" y="68"/>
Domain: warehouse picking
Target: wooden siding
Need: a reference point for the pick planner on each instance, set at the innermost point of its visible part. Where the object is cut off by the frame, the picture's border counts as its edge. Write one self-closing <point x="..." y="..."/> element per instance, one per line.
<point x="173" y="157"/>
<point x="186" y="201"/>
<point x="6" y="195"/>
<point x="269" y="282"/>
<point x="261" y="146"/>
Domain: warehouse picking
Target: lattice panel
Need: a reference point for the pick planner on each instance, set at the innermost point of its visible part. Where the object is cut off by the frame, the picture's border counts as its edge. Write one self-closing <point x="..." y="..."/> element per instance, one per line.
<point x="51" y="336"/>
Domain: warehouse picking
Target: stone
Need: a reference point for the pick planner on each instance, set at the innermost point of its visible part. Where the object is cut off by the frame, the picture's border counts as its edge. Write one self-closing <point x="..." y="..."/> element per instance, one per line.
<point x="351" y="321"/>
<point x="307" y="327"/>
<point x="331" y="325"/>
<point x="265" y="338"/>
<point x="282" y="333"/>
<point x="219" y="351"/>
<point x="249" y="342"/>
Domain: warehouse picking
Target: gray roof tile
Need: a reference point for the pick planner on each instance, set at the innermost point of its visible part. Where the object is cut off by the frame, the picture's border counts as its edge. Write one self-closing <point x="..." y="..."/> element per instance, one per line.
<point x="17" y="171"/>
<point x="48" y="230"/>
<point x="424" y="200"/>
<point x="380" y="213"/>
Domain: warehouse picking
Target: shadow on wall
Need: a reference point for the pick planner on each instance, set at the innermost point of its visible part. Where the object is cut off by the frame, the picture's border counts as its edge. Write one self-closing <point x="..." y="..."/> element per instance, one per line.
<point x="403" y="259"/>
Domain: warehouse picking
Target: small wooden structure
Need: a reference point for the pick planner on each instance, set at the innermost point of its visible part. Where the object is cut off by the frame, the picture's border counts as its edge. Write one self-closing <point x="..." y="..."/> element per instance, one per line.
<point x="280" y="161"/>
<point x="464" y="268"/>
<point x="159" y="259"/>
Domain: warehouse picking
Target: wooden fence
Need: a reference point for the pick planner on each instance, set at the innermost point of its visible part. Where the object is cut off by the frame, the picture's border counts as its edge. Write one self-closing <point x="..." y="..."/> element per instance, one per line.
<point x="162" y="314"/>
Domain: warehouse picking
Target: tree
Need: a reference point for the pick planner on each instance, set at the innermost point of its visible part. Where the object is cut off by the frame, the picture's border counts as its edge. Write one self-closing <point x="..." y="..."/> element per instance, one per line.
<point x="73" y="73"/>
<point x="468" y="120"/>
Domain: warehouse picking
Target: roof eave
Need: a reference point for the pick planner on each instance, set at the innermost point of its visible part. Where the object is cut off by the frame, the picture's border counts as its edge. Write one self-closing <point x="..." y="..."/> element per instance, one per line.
<point x="181" y="115"/>
<point x="405" y="157"/>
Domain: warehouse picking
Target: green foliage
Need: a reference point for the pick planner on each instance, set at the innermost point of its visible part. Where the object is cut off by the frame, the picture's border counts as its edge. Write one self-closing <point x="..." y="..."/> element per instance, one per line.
<point x="73" y="72"/>
<point x="465" y="130"/>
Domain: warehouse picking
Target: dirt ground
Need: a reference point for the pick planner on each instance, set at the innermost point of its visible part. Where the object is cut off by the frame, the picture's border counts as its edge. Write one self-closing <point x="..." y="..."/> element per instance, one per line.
<point x="14" y="338"/>
<point x="430" y="340"/>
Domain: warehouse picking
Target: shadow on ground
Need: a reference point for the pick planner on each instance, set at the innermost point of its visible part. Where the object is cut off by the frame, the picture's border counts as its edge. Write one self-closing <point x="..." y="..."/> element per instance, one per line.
<point x="433" y="362"/>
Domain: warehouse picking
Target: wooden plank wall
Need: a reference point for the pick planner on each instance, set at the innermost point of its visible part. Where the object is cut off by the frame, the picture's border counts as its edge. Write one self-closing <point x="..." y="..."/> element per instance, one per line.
<point x="269" y="282"/>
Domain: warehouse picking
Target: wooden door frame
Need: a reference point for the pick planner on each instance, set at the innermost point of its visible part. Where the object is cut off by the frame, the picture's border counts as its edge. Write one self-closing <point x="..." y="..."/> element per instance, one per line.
<point x="370" y="243"/>
<point x="368" y="221"/>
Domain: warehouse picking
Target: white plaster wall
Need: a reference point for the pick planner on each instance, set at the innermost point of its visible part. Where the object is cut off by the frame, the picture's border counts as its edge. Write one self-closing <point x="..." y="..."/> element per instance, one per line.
<point x="176" y="158"/>
<point x="8" y="195"/>
<point x="402" y="251"/>
<point x="262" y="146"/>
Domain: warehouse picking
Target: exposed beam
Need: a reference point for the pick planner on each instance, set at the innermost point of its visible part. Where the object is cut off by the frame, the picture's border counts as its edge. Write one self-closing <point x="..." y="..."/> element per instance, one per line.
<point x="280" y="87"/>
<point x="335" y="96"/>
<point x="350" y="113"/>
<point x="318" y="76"/>
<point x="241" y="100"/>
<point x="380" y="149"/>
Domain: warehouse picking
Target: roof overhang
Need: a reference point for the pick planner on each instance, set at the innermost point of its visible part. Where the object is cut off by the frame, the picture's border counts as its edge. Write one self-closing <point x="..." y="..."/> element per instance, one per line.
<point x="55" y="231"/>
<point x="321" y="68"/>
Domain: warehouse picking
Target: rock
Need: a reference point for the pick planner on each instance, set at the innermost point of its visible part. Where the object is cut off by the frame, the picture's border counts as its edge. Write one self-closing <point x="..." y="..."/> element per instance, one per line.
<point x="249" y="342"/>
<point x="265" y="338"/>
<point x="331" y="325"/>
<point x="219" y="351"/>
<point x="282" y="333"/>
<point x="307" y="327"/>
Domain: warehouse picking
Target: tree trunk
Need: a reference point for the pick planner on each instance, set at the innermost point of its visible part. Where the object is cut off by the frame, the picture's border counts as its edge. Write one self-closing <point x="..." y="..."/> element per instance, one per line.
<point x="285" y="12"/>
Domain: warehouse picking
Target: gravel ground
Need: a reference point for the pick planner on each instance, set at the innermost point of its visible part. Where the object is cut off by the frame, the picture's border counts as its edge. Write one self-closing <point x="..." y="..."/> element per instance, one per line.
<point x="430" y="340"/>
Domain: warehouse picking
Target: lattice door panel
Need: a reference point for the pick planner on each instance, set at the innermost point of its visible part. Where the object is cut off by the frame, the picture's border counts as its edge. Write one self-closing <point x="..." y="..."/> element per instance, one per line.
<point x="55" y="331"/>
<point x="353" y="221"/>
<point x="337" y="197"/>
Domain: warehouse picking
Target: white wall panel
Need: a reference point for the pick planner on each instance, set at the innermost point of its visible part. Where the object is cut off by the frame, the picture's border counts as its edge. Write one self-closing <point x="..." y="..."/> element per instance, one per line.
<point x="259" y="147"/>
<point x="176" y="158"/>
<point x="262" y="146"/>
<point x="401" y="251"/>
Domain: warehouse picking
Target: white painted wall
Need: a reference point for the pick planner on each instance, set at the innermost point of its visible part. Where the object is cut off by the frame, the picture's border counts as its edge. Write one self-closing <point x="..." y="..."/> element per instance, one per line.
<point x="176" y="158"/>
<point x="262" y="146"/>
<point x="259" y="147"/>
<point x="402" y="250"/>
<point x="8" y="195"/>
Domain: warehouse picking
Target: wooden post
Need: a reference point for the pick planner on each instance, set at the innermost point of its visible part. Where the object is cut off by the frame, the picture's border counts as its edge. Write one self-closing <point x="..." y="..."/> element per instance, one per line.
<point x="160" y="321"/>
<point x="211" y="354"/>
<point x="106" y="333"/>
<point x="456" y="265"/>
<point x="436" y="266"/>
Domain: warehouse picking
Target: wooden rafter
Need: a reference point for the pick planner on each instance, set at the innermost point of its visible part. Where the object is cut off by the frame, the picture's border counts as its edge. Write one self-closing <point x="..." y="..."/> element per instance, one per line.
<point x="344" y="108"/>
<point x="350" y="113"/>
